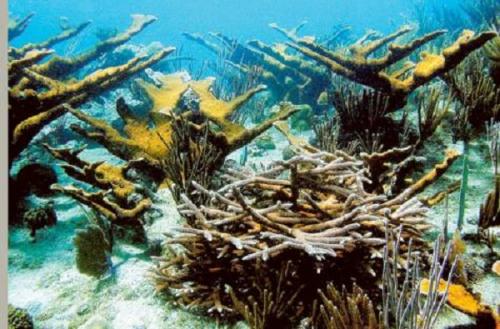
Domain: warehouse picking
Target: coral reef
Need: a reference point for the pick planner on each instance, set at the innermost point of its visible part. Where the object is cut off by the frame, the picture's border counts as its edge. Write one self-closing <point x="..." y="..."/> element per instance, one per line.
<point x="312" y="209"/>
<point x="151" y="144"/>
<point x="19" y="318"/>
<point x="41" y="89"/>
<point x="120" y="200"/>
<point x="355" y="63"/>
<point x="333" y="236"/>
<point x="290" y="76"/>
<point x="477" y="94"/>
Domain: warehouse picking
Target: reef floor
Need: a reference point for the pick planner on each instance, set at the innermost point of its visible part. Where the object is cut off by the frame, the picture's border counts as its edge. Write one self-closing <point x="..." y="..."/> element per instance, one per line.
<point x="44" y="280"/>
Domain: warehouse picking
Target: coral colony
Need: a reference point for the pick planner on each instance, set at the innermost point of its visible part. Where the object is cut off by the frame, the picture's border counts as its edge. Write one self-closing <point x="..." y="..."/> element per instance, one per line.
<point x="337" y="233"/>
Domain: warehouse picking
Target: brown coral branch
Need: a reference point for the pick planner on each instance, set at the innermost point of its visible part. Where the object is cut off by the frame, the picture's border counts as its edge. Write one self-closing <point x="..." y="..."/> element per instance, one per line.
<point x="426" y="180"/>
<point x="30" y="111"/>
<point x="17" y="27"/>
<point x="64" y="35"/>
<point x="360" y="68"/>
<point x="114" y="201"/>
<point x="59" y="67"/>
<point x="109" y="209"/>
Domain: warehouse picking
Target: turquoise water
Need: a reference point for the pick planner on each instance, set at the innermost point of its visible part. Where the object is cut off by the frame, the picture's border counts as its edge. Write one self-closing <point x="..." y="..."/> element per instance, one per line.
<point x="244" y="20"/>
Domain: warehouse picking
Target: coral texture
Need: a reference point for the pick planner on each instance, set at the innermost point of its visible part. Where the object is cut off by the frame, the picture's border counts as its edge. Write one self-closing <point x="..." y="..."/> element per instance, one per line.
<point x="313" y="209"/>
<point x="355" y="62"/>
<point x="40" y="90"/>
<point x="150" y="143"/>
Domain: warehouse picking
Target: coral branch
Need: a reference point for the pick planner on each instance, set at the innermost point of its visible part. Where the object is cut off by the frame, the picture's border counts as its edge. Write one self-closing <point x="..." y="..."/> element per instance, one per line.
<point x="117" y="201"/>
<point x="17" y="27"/>
<point x="37" y="98"/>
<point x="59" y="67"/>
<point x="64" y="35"/>
<point x="312" y="210"/>
<point x="360" y="68"/>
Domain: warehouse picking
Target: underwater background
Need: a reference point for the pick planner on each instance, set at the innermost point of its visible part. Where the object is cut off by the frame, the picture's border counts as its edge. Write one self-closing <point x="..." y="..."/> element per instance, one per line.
<point x="308" y="188"/>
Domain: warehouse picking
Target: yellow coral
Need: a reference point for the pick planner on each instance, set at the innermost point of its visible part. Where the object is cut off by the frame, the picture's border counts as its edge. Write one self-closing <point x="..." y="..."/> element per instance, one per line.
<point x="165" y="99"/>
<point x="458" y="297"/>
<point x="113" y="175"/>
<point x="496" y="268"/>
<point x="429" y="64"/>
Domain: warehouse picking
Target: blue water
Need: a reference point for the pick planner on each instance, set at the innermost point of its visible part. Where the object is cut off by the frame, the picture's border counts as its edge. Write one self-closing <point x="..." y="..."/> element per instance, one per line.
<point x="239" y="19"/>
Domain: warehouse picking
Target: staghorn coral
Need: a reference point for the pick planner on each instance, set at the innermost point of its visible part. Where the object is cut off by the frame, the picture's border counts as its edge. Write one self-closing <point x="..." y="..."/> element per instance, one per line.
<point x="17" y="26"/>
<point x="355" y="63"/>
<point x="119" y="200"/>
<point x="312" y="209"/>
<point x="39" y="90"/>
<point x="151" y="142"/>
<point x="290" y="76"/>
